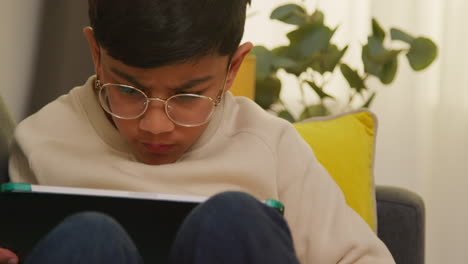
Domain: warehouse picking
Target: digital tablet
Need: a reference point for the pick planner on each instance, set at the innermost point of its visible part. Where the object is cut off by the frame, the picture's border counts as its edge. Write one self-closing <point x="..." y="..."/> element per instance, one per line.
<point x="28" y="212"/>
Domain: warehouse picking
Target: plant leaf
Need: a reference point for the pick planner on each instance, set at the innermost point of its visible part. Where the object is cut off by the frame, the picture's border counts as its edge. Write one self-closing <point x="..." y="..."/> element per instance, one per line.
<point x="287" y="52"/>
<point x="422" y="53"/>
<point x="290" y="14"/>
<point x="285" y="114"/>
<point x="316" y="42"/>
<point x="317" y="18"/>
<point x="378" y="53"/>
<point x="388" y="56"/>
<point x="383" y="67"/>
<point x="301" y="66"/>
<point x="389" y="71"/>
<point x="398" y="34"/>
<point x="376" y="48"/>
<point x="264" y="62"/>
<point x="369" y="101"/>
<point x="267" y="91"/>
<point x="318" y="90"/>
<point x="370" y="66"/>
<point x="310" y="39"/>
<point x="355" y="81"/>
<point x="314" y="110"/>
<point x="377" y="30"/>
<point x="283" y="62"/>
<point x="281" y="51"/>
<point x="332" y="57"/>
<point x="327" y="60"/>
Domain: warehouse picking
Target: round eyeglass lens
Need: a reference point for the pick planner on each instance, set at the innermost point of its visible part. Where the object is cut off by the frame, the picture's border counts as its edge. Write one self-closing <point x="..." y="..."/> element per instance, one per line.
<point x="190" y="109"/>
<point x="122" y="101"/>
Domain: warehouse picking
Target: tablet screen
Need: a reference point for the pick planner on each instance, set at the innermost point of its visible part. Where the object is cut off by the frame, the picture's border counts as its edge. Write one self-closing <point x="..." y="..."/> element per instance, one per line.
<point x="152" y="224"/>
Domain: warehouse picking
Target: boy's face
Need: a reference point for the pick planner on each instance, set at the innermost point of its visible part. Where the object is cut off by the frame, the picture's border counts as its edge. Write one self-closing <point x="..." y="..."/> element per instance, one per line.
<point x="153" y="137"/>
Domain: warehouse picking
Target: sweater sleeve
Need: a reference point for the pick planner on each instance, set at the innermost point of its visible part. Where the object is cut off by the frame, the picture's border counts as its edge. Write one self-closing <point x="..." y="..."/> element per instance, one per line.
<point x="324" y="228"/>
<point x="18" y="166"/>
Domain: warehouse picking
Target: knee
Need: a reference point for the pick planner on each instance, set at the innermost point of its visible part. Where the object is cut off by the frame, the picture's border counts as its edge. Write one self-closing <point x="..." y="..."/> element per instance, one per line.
<point x="233" y="196"/>
<point x="232" y="202"/>
<point x="235" y="213"/>
<point x="226" y="207"/>
<point x="94" y="222"/>
<point x="90" y="218"/>
<point x="85" y="238"/>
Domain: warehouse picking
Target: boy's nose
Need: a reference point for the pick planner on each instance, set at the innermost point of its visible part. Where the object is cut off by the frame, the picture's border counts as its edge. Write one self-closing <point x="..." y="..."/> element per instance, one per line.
<point x="155" y="119"/>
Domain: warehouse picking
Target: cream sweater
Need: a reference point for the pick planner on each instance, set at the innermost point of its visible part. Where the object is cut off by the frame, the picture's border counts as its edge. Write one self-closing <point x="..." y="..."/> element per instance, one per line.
<point x="71" y="143"/>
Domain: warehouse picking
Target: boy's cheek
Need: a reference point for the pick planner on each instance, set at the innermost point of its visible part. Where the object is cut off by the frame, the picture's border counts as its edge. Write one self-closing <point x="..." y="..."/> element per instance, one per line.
<point x="127" y="128"/>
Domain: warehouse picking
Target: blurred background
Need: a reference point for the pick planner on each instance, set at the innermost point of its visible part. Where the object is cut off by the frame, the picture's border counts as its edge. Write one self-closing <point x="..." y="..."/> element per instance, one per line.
<point x="422" y="141"/>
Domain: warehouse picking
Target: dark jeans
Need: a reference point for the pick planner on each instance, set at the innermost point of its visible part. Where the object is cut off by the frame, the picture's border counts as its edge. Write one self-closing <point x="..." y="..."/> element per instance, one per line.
<point x="230" y="227"/>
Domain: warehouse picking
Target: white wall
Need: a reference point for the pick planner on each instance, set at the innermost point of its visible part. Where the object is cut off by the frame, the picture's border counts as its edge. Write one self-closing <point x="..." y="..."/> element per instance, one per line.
<point x="19" y="23"/>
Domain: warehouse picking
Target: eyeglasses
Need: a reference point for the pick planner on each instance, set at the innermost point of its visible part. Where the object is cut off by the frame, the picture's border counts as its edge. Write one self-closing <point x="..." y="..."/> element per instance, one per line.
<point x="128" y="102"/>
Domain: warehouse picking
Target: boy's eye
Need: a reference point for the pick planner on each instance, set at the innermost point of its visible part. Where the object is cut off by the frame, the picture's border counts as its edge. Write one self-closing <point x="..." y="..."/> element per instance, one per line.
<point x="128" y="91"/>
<point x="190" y="92"/>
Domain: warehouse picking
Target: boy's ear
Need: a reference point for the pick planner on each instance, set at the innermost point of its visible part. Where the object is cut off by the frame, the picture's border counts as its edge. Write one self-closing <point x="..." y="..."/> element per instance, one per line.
<point x="236" y="62"/>
<point x="94" y="48"/>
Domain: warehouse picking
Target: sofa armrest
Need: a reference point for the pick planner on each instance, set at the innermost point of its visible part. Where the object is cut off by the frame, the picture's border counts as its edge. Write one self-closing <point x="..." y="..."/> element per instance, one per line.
<point x="4" y="178"/>
<point x="401" y="223"/>
<point x="6" y="133"/>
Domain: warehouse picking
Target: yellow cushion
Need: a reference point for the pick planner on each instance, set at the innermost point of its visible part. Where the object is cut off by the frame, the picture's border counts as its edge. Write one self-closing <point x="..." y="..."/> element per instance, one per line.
<point x="344" y="144"/>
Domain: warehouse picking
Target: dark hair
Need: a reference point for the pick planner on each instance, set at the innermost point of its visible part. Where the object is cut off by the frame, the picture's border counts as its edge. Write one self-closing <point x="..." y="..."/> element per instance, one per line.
<point x="153" y="33"/>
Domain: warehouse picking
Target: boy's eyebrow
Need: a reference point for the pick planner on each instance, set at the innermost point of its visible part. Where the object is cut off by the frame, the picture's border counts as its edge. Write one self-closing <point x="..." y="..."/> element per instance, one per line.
<point x="187" y="85"/>
<point x="127" y="77"/>
<point x="191" y="83"/>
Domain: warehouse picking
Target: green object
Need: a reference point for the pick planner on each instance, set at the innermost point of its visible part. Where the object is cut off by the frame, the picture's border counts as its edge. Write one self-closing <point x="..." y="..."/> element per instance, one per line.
<point x="311" y="58"/>
<point x="14" y="187"/>
<point x="276" y="205"/>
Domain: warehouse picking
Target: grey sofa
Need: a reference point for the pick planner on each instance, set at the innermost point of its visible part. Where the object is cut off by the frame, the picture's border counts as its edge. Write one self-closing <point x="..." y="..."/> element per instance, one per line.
<point x="6" y="131"/>
<point x="401" y="223"/>
<point x="400" y="213"/>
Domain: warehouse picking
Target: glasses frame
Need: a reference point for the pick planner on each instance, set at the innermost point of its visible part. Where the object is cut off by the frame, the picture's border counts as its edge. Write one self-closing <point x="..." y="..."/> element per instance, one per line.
<point x="99" y="87"/>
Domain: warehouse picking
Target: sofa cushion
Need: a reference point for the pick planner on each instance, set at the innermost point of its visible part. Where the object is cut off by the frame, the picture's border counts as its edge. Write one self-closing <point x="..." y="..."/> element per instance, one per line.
<point x="345" y="145"/>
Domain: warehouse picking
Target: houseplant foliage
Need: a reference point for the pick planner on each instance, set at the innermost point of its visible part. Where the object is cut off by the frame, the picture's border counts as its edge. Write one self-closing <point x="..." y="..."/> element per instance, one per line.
<point x="312" y="58"/>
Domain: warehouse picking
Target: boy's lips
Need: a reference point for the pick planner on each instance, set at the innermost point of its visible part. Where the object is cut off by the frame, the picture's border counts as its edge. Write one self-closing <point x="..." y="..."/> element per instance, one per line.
<point x="158" y="148"/>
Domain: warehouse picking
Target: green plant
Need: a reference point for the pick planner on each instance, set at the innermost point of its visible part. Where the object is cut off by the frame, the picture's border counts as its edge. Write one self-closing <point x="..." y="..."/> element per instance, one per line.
<point x="312" y="58"/>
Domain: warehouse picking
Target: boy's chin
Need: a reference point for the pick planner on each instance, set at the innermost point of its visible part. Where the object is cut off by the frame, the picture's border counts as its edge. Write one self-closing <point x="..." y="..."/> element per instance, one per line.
<point x="156" y="160"/>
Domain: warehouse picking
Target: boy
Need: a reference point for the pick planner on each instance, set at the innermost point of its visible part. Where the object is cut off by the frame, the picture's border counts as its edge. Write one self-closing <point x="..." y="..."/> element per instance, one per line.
<point x="158" y="117"/>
